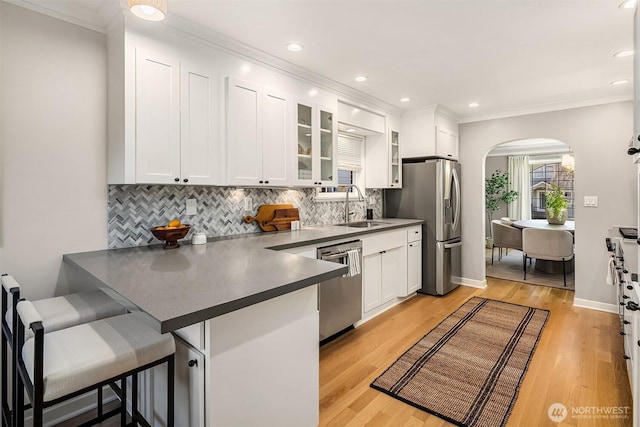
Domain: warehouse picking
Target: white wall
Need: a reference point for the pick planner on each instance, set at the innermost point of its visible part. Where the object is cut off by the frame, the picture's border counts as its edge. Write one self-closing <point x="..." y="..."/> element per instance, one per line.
<point x="599" y="136"/>
<point x="53" y="134"/>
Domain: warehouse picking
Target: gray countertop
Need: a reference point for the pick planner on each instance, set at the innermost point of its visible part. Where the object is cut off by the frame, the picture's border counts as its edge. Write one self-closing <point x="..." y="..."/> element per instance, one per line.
<point x="180" y="287"/>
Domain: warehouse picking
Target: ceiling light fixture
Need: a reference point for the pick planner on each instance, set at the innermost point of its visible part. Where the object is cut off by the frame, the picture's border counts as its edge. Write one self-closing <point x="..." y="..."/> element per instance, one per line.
<point x="361" y="78"/>
<point x="295" y="47"/>
<point x="474" y="105"/>
<point x="405" y="99"/>
<point x="623" y="53"/>
<point x="619" y="82"/>
<point x="150" y="10"/>
<point x="627" y="4"/>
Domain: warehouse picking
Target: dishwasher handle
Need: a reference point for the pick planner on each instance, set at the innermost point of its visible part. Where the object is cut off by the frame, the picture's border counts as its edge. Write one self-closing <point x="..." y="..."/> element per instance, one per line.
<point x="334" y="256"/>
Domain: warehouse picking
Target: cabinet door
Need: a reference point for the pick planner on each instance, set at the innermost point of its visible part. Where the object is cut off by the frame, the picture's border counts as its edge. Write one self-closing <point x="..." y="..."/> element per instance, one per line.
<point x="392" y="270"/>
<point x="372" y="281"/>
<point x="198" y="145"/>
<point x="305" y="124"/>
<point x="157" y="112"/>
<point x="244" y="139"/>
<point x="414" y="266"/>
<point x="446" y="144"/>
<point x="189" y="393"/>
<point x="327" y="147"/>
<point x="276" y="154"/>
<point x="395" y="161"/>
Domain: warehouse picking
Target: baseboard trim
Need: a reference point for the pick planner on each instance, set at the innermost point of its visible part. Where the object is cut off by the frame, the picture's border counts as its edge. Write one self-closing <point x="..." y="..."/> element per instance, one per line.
<point x="480" y="284"/>
<point x="595" y="305"/>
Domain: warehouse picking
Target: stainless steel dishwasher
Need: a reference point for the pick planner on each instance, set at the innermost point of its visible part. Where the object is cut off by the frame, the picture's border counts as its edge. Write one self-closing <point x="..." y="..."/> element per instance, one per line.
<point x="340" y="299"/>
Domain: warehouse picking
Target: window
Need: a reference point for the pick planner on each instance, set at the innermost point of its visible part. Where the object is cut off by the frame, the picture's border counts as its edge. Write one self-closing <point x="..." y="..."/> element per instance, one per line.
<point x="545" y="173"/>
<point x="350" y="170"/>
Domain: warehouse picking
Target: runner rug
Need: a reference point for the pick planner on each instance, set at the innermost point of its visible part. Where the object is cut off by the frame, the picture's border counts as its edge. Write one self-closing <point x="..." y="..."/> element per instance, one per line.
<point x="468" y="369"/>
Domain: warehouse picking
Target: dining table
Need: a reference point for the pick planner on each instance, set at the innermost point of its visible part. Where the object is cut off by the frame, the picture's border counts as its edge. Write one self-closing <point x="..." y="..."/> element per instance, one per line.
<point x="543" y="224"/>
<point x="547" y="266"/>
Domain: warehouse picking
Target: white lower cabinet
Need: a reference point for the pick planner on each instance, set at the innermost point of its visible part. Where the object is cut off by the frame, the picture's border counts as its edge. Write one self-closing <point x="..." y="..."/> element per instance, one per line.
<point x="414" y="266"/>
<point x="384" y="259"/>
<point x="189" y="392"/>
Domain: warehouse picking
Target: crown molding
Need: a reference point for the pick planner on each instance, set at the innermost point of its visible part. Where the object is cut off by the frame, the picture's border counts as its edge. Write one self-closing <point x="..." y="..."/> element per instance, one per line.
<point x="67" y="12"/>
<point x="544" y="108"/>
<point x="234" y="47"/>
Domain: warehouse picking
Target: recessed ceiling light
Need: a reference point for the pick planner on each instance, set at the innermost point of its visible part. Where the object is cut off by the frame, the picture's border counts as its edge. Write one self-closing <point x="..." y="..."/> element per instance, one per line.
<point x="295" y="47"/>
<point x="405" y="99"/>
<point x="350" y="130"/>
<point x="627" y="4"/>
<point x="361" y="78"/>
<point x="474" y="105"/>
<point x="619" y="82"/>
<point x="313" y="92"/>
<point x="623" y="53"/>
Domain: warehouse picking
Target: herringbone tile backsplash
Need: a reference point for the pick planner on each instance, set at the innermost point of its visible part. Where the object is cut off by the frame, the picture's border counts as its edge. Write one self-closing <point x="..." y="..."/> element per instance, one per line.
<point x="134" y="209"/>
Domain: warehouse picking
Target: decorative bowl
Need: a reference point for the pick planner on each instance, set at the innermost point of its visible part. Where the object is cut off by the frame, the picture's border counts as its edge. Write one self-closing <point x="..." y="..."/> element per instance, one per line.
<point x="170" y="235"/>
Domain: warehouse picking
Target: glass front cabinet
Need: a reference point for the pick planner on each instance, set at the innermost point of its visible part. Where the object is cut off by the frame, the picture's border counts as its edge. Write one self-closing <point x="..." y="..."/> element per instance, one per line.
<point x="316" y="161"/>
<point x="395" y="163"/>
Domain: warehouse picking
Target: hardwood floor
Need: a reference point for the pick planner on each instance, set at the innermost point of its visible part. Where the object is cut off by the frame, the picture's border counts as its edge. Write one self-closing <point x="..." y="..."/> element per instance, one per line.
<point x="578" y="361"/>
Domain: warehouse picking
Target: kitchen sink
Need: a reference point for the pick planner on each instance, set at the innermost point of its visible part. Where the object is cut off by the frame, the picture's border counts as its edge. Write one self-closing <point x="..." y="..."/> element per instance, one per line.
<point x="363" y="224"/>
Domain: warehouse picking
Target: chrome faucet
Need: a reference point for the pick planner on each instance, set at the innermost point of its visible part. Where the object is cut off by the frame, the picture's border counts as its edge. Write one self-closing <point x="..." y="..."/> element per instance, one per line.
<point x="346" y="203"/>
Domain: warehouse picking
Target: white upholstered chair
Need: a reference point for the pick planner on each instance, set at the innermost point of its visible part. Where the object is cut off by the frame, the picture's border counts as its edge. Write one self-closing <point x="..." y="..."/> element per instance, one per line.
<point x="57" y="313"/>
<point x="552" y="245"/>
<point x="66" y="363"/>
<point x="504" y="236"/>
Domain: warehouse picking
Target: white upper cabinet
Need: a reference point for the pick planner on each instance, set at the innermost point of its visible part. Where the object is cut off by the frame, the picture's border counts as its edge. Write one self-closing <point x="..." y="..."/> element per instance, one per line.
<point x="317" y="145"/>
<point x="257" y="135"/>
<point x="383" y="160"/>
<point x="169" y="132"/>
<point x="430" y="132"/>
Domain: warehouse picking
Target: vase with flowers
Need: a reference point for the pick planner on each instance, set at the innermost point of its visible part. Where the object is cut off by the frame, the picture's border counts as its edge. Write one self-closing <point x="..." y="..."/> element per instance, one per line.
<point x="556" y="205"/>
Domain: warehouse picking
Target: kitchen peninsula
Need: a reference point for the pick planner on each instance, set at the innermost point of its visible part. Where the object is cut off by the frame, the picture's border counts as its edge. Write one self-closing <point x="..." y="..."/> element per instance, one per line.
<point x="247" y="311"/>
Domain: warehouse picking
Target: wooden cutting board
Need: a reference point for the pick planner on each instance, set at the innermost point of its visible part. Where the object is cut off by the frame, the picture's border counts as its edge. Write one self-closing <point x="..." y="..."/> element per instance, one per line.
<point x="267" y="213"/>
<point x="282" y="219"/>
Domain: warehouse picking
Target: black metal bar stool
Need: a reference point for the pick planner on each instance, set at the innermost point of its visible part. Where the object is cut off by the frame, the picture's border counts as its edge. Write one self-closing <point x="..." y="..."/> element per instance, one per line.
<point x="59" y="365"/>
<point x="57" y="313"/>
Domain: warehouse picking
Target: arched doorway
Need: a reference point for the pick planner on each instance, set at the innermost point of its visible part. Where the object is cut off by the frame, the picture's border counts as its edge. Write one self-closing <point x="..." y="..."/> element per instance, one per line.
<point x="533" y="166"/>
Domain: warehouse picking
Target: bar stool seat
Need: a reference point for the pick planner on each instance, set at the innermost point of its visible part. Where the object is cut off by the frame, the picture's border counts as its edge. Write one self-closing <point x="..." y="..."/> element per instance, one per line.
<point x="72" y="361"/>
<point x="57" y="313"/>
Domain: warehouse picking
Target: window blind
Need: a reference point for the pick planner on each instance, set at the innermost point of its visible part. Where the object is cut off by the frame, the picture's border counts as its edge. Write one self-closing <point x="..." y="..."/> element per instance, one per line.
<point x="349" y="153"/>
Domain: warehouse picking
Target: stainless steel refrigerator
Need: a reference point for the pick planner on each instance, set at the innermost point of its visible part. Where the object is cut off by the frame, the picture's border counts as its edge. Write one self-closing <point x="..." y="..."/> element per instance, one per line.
<point x="431" y="192"/>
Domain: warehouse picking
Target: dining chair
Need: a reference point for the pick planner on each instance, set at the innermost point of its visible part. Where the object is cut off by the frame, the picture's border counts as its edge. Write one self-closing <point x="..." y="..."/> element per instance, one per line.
<point x="504" y="236"/>
<point x="552" y="245"/>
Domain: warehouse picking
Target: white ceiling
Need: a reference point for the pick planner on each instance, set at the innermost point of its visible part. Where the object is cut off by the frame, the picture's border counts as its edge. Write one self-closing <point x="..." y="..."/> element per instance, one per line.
<point x="511" y="56"/>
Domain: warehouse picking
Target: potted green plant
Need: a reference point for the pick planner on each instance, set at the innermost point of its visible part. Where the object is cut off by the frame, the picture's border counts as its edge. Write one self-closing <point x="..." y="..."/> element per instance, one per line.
<point x="556" y="205"/>
<point x="497" y="192"/>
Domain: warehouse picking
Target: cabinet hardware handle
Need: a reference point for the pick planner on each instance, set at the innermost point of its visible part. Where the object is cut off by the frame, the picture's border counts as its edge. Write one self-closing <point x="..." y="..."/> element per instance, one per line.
<point x="260" y="182"/>
<point x="266" y="182"/>
<point x="621" y="303"/>
<point x="622" y="333"/>
<point x="192" y="363"/>
<point x="625" y="296"/>
<point x="625" y="357"/>
<point x="638" y="137"/>
<point x="630" y="287"/>
<point x="638" y="342"/>
<point x="176" y="179"/>
<point x="632" y="306"/>
<point x="626" y="322"/>
<point x="186" y="180"/>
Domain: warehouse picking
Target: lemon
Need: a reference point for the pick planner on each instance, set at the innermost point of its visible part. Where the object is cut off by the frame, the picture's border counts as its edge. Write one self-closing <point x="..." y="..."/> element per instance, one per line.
<point x="174" y="223"/>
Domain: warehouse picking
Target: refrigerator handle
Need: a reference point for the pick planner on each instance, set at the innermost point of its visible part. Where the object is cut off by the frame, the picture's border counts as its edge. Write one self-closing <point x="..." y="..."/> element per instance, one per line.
<point x="456" y="183"/>
<point x="452" y="245"/>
